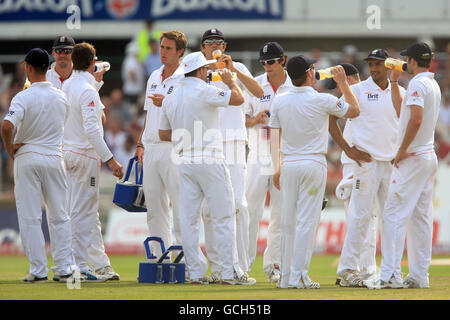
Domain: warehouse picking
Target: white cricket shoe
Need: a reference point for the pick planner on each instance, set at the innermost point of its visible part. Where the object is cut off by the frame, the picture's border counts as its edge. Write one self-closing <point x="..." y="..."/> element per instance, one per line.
<point x="350" y="278"/>
<point x="275" y="274"/>
<point x="108" y="272"/>
<point x="380" y="284"/>
<point x="215" y="277"/>
<point x="90" y="276"/>
<point x="305" y="283"/>
<point x="244" y="280"/>
<point x="33" y="279"/>
<point x="410" y="283"/>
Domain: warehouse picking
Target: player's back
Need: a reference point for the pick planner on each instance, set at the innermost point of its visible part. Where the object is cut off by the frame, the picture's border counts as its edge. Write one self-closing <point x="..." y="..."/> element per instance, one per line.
<point x="43" y="110"/>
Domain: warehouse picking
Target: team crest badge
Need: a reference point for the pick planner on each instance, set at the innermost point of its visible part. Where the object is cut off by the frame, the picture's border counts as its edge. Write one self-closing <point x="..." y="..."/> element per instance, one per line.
<point x="122" y="9"/>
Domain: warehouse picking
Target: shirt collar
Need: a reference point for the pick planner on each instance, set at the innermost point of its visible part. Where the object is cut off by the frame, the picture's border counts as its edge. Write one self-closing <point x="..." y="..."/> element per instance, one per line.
<point x="41" y="84"/>
<point x="178" y="72"/>
<point x="86" y="75"/>
<point x="374" y="86"/>
<point x="424" y="74"/>
<point x="287" y="82"/>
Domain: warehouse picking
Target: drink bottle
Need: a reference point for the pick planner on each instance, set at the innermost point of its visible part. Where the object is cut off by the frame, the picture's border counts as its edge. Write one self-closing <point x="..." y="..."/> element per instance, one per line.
<point x="216" y="55"/>
<point x="395" y="64"/>
<point x="100" y="66"/>
<point x="324" y="74"/>
<point x="27" y="84"/>
<point x="215" y="76"/>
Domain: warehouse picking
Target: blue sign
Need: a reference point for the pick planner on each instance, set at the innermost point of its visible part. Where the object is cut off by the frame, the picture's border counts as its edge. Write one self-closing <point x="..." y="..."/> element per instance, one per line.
<point x="60" y="10"/>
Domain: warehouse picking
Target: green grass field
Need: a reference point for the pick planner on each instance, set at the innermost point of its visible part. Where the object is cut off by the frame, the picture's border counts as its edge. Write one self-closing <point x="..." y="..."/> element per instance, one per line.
<point x="323" y="268"/>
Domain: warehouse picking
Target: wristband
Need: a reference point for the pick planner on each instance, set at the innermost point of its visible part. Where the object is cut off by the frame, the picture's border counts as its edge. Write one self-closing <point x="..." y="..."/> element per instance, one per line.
<point x="394" y="81"/>
<point x="140" y="145"/>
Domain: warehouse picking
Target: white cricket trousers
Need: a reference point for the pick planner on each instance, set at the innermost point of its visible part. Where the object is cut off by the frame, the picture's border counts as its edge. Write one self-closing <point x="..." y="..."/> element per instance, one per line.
<point x="235" y="160"/>
<point x="409" y="211"/>
<point x="367" y="263"/>
<point x="302" y="187"/>
<point x="370" y="185"/>
<point x="210" y="182"/>
<point x="38" y="177"/>
<point x="259" y="182"/>
<point x="161" y="187"/>
<point x="97" y="258"/>
<point x="83" y="174"/>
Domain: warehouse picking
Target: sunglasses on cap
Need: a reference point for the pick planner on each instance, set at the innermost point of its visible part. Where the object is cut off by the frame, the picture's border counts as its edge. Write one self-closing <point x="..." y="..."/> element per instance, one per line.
<point x="211" y="41"/>
<point x="269" y="62"/>
<point x="65" y="50"/>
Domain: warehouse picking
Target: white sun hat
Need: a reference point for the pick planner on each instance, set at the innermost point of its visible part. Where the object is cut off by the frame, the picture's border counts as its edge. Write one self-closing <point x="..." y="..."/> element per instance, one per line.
<point x="195" y="60"/>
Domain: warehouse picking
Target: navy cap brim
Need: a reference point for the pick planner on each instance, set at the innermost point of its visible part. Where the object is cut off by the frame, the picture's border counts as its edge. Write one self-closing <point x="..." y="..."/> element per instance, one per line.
<point x="374" y="57"/>
<point x="403" y="52"/>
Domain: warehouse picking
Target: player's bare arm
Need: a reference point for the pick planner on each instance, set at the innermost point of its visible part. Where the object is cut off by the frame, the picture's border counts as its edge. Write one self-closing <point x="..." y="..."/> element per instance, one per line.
<point x="140" y="146"/>
<point x="341" y="81"/>
<point x="275" y="142"/>
<point x="115" y="167"/>
<point x="395" y="91"/>
<point x="251" y="84"/>
<point x="356" y="155"/>
<point x="260" y="118"/>
<point x="414" y="123"/>
<point x="165" y="135"/>
<point x="237" y="96"/>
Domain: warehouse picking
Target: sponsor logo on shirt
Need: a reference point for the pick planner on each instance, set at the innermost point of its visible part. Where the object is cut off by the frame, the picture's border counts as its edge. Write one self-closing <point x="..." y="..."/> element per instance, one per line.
<point x="339" y="105"/>
<point x="92" y="181"/>
<point x="222" y="94"/>
<point x="372" y="96"/>
<point x="153" y="86"/>
<point x="11" y="113"/>
<point x="92" y="104"/>
<point x="266" y="98"/>
<point x="170" y="90"/>
<point x="415" y="94"/>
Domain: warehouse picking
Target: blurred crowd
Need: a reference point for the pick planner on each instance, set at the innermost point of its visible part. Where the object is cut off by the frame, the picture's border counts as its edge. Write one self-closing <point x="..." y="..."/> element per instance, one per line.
<point x="124" y="105"/>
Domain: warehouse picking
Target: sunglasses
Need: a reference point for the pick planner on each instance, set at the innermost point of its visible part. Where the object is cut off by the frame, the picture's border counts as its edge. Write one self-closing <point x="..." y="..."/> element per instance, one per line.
<point x="65" y="50"/>
<point x="211" y="41"/>
<point x="269" y="62"/>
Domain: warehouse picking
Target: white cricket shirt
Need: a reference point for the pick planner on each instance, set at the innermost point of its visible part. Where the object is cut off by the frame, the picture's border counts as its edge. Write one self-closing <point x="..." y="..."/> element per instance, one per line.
<point x="423" y="91"/>
<point x="156" y="84"/>
<point x="232" y="119"/>
<point x="375" y="130"/>
<point x="194" y="106"/>
<point x="57" y="81"/>
<point x="259" y="135"/>
<point x="39" y="114"/>
<point x="84" y="128"/>
<point x="302" y="113"/>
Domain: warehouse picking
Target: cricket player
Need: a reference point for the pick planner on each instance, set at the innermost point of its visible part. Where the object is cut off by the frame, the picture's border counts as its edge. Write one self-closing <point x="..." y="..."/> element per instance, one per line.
<point x="301" y="115"/>
<point x="194" y="106"/>
<point x="160" y="181"/>
<point x="234" y="134"/>
<point x="84" y="150"/>
<point x="259" y="163"/>
<point x="409" y="206"/>
<point x="60" y="71"/>
<point x="35" y="122"/>
<point x="370" y="179"/>
<point x="343" y="190"/>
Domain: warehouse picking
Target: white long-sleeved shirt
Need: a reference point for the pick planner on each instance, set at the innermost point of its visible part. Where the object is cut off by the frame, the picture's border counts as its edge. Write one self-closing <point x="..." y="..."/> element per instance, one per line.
<point x="84" y="128"/>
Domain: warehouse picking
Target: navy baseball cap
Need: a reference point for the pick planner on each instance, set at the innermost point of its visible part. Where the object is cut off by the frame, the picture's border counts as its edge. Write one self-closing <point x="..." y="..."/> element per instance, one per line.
<point x="270" y="50"/>
<point x="349" y="70"/>
<point x="418" y="50"/>
<point x="213" y="33"/>
<point x="38" y="57"/>
<point x="63" y="42"/>
<point x="378" y="54"/>
<point x="299" y="65"/>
